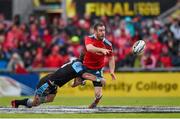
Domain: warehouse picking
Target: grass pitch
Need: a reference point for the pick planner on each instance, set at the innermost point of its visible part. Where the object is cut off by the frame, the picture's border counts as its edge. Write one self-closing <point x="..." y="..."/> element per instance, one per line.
<point x="106" y="101"/>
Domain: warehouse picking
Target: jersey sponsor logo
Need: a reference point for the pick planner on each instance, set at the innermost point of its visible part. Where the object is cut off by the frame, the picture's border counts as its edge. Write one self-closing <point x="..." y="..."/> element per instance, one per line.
<point x="77" y="66"/>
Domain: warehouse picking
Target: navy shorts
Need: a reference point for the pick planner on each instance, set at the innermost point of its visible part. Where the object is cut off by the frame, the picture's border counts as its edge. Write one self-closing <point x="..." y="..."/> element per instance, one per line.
<point x="97" y="73"/>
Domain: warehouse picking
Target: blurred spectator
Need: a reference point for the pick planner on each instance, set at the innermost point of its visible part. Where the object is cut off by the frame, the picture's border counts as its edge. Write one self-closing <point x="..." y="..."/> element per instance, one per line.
<point x="41" y="45"/>
<point x="75" y="48"/>
<point x="1" y="17"/>
<point x="47" y="37"/>
<point x="166" y="35"/>
<point x="23" y="31"/>
<point x="38" y="61"/>
<point x="172" y="48"/>
<point x="137" y="23"/>
<point x="71" y="28"/>
<point x="27" y="58"/>
<point x="3" y="58"/>
<point x="82" y="24"/>
<point x="42" y="26"/>
<point x="154" y="45"/>
<point x="82" y="29"/>
<point x="2" y="33"/>
<point x="123" y="44"/>
<point x="61" y="39"/>
<point x="17" y="20"/>
<point x="54" y="26"/>
<point x="175" y="29"/>
<point x="165" y="58"/>
<point x="3" y="20"/>
<point x="62" y="25"/>
<point x="128" y="61"/>
<point x="34" y="34"/>
<point x="54" y="59"/>
<point x="158" y="27"/>
<point x="13" y="36"/>
<point x="129" y="26"/>
<point x="176" y="59"/>
<point x="148" y="60"/>
<point x="32" y="19"/>
<point x="16" y="64"/>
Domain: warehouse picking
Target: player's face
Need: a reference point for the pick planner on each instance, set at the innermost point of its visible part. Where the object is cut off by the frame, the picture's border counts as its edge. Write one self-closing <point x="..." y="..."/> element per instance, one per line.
<point x="100" y="32"/>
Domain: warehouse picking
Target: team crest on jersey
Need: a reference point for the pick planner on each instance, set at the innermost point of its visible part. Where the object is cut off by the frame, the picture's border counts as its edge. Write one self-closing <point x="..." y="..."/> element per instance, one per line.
<point x="97" y="72"/>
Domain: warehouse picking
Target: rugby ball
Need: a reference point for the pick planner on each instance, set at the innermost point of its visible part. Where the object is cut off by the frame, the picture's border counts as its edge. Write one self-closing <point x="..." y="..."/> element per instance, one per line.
<point x="138" y="47"/>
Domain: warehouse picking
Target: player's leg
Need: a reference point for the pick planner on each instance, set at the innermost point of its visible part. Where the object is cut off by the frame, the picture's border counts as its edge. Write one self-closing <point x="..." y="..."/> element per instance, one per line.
<point x="37" y="100"/>
<point x="50" y="98"/>
<point x="97" y="86"/>
<point x="98" y="96"/>
<point x="45" y="92"/>
<point x="25" y="102"/>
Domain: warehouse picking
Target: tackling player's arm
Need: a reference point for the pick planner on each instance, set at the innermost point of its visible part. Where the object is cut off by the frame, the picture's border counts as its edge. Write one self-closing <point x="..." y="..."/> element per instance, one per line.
<point x="87" y="76"/>
<point x="92" y="77"/>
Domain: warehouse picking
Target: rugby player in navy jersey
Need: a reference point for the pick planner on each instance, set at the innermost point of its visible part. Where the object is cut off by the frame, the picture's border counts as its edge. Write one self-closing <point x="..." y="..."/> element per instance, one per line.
<point x="47" y="87"/>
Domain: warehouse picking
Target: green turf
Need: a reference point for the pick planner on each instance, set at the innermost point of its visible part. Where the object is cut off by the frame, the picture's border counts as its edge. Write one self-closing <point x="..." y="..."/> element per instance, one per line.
<point x="116" y="101"/>
<point x="103" y="115"/>
<point x="73" y="101"/>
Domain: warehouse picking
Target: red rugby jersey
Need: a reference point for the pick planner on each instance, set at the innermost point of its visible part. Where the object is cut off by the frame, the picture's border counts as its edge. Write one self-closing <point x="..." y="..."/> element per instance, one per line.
<point x="93" y="60"/>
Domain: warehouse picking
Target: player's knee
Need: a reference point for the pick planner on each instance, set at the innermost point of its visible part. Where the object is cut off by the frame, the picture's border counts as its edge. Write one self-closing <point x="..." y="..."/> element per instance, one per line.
<point x="98" y="94"/>
<point x="98" y="91"/>
<point x="50" y="99"/>
<point x="36" y="103"/>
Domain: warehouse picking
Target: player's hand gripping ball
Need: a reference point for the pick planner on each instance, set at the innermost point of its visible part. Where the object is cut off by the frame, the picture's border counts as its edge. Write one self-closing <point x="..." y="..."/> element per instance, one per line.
<point x="138" y="47"/>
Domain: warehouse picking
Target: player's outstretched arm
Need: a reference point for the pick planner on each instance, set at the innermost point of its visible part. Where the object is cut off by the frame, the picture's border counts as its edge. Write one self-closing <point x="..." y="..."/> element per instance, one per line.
<point x="92" y="48"/>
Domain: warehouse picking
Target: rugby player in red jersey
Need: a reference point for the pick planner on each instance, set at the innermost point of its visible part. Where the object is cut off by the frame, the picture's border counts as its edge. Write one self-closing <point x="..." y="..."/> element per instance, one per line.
<point x="97" y="48"/>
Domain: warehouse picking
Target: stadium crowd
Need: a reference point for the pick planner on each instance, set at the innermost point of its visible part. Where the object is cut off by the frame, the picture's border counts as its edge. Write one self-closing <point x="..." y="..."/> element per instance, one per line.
<point x="41" y="42"/>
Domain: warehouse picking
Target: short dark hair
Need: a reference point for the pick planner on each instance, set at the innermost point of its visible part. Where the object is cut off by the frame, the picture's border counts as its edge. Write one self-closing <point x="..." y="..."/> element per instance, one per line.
<point x="96" y="25"/>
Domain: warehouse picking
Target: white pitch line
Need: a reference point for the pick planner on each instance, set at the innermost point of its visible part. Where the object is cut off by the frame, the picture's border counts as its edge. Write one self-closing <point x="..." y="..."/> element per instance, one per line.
<point x="73" y="109"/>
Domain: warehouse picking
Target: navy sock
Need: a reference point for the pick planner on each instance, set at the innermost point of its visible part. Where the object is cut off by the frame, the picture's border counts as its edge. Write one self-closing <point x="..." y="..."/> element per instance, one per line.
<point x="22" y="102"/>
